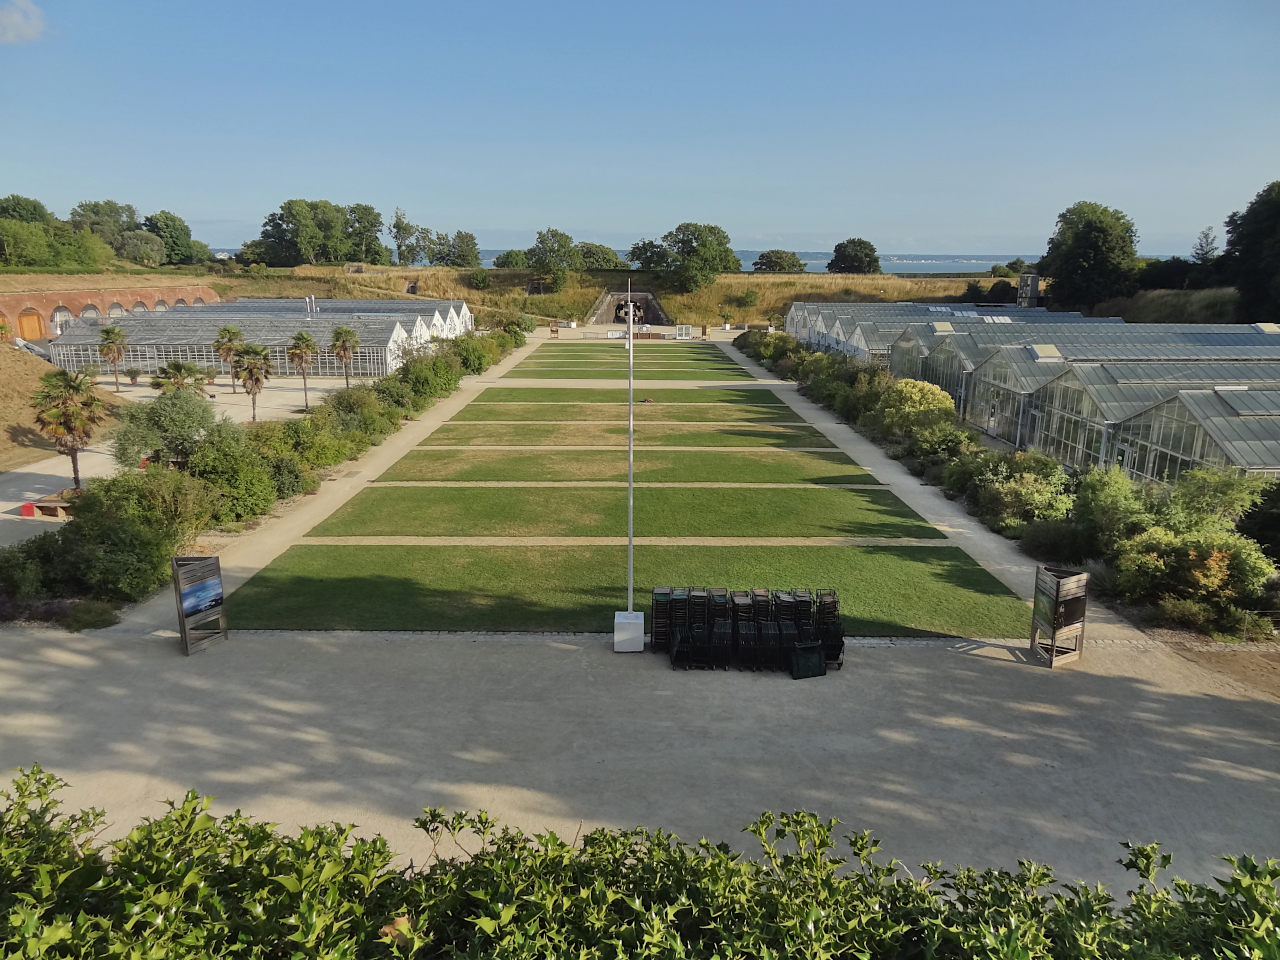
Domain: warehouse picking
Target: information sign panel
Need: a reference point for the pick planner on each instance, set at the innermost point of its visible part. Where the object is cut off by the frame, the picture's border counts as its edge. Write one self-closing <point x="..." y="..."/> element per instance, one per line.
<point x="197" y="587"/>
<point x="1057" y="614"/>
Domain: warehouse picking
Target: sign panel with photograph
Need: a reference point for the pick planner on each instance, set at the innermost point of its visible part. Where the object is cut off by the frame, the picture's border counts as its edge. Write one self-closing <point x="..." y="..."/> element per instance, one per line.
<point x="197" y="585"/>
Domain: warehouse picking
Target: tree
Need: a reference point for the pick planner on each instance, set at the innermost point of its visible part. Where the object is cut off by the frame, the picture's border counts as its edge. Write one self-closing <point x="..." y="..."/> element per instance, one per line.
<point x="1206" y="247"/>
<point x="649" y="255"/>
<point x="112" y="346"/>
<point x="179" y="375"/>
<point x="67" y="409"/>
<point x="1091" y="257"/>
<point x="854" y="255"/>
<point x="364" y="224"/>
<point x="254" y="363"/>
<point x="141" y="247"/>
<point x="778" y="261"/>
<point x="302" y="352"/>
<point x="464" y="251"/>
<point x="175" y="233"/>
<point x="1253" y="254"/>
<point x="200" y="252"/>
<point x="698" y="252"/>
<point x="552" y="256"/>
<point x="344" y="344"/>
<point x="25" y="210"/>
<point x="24" y="244"/>
<point x="105" y="219"/>
<point x="404" y="238"/>
<point x="596" y="256"/>
<point x="226" y="345"/>
<point x="170" y="427"/>
<point x="1017" y="266"/>
<point x="512" y="260"/>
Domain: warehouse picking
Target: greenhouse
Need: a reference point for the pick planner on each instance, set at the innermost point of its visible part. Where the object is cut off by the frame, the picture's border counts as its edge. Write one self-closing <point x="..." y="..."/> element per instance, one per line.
<point x="1234" y="427"/>
<point x="187" y="334"/>
<point x="1078" y="416"/>
<point x="1001" y="384"/>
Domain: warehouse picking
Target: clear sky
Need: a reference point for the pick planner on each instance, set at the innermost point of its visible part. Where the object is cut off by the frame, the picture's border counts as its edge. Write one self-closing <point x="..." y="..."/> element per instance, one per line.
<point x="931" y="126"/>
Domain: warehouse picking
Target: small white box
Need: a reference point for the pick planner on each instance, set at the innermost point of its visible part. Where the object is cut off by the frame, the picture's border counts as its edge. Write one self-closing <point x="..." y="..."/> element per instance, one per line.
<point x="628" y="632"/>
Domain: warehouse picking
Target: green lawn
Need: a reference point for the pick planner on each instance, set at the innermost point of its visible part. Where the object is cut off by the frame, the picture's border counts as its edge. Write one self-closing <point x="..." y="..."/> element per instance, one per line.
<point x="652" y="466"/>
<point x="602" y="512"/>
<point x="884" y="591"/>
<point x="752" y="395"/>
<point x="686" y="412"/>
<point x="610" y="435"/>
<point x="597" y="373"/>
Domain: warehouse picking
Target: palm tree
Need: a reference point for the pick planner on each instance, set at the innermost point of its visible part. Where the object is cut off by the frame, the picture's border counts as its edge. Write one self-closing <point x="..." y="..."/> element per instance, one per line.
<point x="67" y="409"/>
<point x="344" y="346"/>
<point x="179" y="375"/>
<point x="226" y="343"/>
<point x="112" y="347"/>
<point x="254" y="363"/>
<point x="302" y="352"/>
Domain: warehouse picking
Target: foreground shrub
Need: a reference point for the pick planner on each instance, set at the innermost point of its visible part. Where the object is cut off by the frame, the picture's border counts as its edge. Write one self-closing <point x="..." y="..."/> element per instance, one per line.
<point x="226" y="460"/>
<point x="167" y="428"/>
<point x="187" y="884"/>
<point x="88" y="615"/>
<point x="1218" y="568"/>
<point x="909" y="406"/>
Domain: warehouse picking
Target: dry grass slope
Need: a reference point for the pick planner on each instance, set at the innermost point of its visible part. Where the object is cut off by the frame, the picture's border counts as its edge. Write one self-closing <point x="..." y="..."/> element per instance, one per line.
<point x="21" y="443"/>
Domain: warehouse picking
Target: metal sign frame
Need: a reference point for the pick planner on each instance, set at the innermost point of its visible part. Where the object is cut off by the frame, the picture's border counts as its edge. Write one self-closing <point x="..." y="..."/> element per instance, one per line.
<point x="1058" y="614"/>
<point x="197" y="590"/>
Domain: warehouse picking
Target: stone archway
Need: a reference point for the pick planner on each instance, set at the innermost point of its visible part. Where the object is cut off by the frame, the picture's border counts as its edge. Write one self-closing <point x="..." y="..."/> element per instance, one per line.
<point x="198" y="302"/>
<point x="90" y="312"/>
<point x="180" y="303"/>
<point x="116" y="310"/>
<point x="8" y="330"/>
<point x="59" y="319"/>
<point x="30" y="324"/>
<point x="159" y="306"/>
<point x="139" y="307"/>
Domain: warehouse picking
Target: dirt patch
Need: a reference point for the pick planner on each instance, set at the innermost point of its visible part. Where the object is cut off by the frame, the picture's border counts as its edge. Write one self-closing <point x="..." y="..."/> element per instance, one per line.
<point x="1256" y="666"/>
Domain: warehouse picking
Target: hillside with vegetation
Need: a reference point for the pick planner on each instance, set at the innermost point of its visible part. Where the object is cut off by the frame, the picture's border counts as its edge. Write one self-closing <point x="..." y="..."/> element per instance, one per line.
<point x="21" y="443"/>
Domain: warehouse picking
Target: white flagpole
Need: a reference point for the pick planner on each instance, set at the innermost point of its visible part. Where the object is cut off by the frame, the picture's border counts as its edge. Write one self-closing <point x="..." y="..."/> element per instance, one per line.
<point x="631" y="450"/>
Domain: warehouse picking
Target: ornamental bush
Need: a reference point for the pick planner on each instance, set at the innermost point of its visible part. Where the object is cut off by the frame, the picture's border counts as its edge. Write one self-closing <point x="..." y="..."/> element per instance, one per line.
<point x="188" y="884"/>
<point x="227" y="460"/>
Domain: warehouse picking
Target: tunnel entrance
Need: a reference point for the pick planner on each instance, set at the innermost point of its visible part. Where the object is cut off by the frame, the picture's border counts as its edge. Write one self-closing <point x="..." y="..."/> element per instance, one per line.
<point x="612" y="308"/>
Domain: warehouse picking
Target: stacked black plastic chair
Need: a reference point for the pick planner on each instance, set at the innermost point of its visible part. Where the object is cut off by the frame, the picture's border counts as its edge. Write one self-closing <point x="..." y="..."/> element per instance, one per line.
<point x="698" y="642"/>
<point x="679" y="609"/>
<point x="718" y="606"/>
<point x="761" y="605"/>
<point x="829" y="627"/>
<point x="721" y="644"/>
<point x="804" y="607"/>
<point x="740" y="600"/>
<point x="699" y="607"/>
<point x="788" y="640"/>
<point x="660" y="618"/>
<point x="763" y="655"/>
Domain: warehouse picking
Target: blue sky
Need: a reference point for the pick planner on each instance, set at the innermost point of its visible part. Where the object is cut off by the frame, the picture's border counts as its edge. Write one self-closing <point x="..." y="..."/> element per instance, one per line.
<point x="928" y="127"/>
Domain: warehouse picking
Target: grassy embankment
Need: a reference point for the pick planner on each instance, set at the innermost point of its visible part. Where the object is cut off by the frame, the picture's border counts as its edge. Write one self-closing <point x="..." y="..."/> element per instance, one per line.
<point x="1217" y="305"/>
<point x="21" y="443"/>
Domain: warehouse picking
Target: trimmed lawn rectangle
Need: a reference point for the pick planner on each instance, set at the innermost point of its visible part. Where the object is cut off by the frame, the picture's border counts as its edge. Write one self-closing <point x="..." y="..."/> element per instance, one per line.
<point x="653" y="466"/>
<point x="884" y="591"/>
<point x="601" y="512"/>
<point x="561" y="373"/>
<point x="687" y="412"/>
<point x="753" y="395"/>
<point x="609" y="435"/>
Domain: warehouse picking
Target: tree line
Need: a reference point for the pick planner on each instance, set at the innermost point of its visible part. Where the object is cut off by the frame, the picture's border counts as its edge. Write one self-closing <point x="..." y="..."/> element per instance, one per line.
<point x="93" y="234"/>
<point x="1092" y="256"/>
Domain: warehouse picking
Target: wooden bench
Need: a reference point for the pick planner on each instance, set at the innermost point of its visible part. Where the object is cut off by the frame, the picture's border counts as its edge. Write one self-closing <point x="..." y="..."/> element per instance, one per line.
<point x="51" y="506"/>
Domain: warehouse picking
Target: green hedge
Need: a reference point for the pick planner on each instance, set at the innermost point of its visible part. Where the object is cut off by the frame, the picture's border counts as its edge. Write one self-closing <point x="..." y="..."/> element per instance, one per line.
<point x="187" y="884"/>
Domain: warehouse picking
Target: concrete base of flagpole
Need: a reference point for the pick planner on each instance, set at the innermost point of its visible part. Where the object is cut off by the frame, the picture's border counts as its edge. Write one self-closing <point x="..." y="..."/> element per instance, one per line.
<point x="628" y="631"/>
